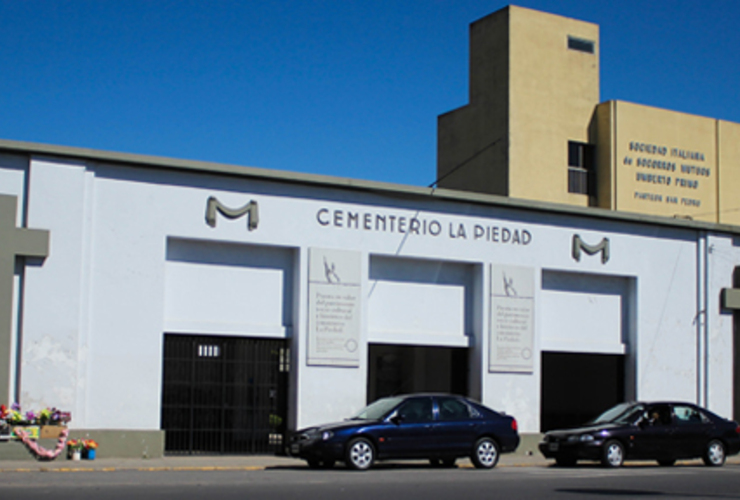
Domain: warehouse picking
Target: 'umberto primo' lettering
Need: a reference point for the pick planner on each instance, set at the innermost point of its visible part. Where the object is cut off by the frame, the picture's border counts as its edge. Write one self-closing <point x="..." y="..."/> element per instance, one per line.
<point x="421" y="226"/>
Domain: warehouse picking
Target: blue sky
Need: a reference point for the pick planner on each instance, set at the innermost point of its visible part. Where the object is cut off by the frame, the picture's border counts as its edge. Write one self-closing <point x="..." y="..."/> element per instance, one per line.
<point x="341" y="88"/>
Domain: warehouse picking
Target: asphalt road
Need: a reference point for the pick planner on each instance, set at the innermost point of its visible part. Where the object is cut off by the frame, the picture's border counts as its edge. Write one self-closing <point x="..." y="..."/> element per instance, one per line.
<point x="385" y="483"/>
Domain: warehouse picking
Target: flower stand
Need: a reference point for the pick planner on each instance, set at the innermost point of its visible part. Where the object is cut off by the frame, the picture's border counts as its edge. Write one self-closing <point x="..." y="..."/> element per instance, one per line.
<point x="42" y="453"/>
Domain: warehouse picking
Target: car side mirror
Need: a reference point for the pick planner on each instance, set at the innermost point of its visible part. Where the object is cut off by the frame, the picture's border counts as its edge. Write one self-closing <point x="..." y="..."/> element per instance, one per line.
<point x="396" y="419"/>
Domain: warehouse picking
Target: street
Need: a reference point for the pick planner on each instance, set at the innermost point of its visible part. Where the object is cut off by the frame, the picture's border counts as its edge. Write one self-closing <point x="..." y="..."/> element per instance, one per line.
<point x="692" y="481"/>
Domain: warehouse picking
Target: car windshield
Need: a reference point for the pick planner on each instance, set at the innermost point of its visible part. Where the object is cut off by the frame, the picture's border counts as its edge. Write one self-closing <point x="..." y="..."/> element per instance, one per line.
<point x="625" y="413"/>
<point x="378" y="409"/>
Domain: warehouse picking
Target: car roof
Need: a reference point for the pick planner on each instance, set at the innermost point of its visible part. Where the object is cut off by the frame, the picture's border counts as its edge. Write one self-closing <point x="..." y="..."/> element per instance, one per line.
<point x="672" y="403"/>
<point x="426" y="394"/>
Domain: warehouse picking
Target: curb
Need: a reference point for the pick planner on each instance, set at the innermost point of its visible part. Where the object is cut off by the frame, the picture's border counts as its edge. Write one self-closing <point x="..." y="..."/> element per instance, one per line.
<point x="297" y="464"/>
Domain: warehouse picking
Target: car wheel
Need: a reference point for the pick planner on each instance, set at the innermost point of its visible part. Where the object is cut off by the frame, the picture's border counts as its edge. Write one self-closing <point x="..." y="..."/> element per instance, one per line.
<point x="360" y="454"/>
<point x="714" y="455"/>
<point x="613" y="455"/>
<point x="485" y="454"/>
<point x="565" y="461"/>
<point x="667" y="463"/>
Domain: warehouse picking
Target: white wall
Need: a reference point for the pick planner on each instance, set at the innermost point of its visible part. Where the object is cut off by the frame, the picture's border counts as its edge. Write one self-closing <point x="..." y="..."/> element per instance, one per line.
<point x="97" y="309"/>
<point x="413" y="301"/>
<point x="583" y="313"/>
<point x="227" y="289"/>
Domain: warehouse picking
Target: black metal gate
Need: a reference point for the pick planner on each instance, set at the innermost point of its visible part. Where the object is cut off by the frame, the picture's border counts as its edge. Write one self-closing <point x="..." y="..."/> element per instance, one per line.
<point x="224" y="395"/>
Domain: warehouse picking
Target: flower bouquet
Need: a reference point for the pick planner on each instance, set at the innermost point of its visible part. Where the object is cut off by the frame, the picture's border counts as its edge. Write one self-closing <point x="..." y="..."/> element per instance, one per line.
<point x="74" y="448"/>
<point x="89" y="449"/>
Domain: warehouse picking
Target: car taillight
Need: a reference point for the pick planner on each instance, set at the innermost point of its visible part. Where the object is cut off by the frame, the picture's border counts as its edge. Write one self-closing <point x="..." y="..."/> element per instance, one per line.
<point x="737" y="429"/>
<point x="513" y="424"/>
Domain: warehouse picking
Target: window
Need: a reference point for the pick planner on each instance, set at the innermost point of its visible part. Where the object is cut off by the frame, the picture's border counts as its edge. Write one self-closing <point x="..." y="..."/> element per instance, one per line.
<point x="452" y="409"/>
<point x="209" y="351"/>
<point x="416" y="410"/>
<point x="659" y="415"/>
<point x="581" y="178"/>
<point x="581" y="44"/>
<point x="686" y="415"/>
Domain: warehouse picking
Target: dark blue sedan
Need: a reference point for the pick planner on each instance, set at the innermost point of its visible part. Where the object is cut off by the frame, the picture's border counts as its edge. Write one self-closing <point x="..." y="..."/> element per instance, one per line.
<point x="438" y="427"/>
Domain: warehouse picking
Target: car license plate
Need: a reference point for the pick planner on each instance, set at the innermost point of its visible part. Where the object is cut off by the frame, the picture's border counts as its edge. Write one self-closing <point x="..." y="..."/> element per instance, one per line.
<point x="553" y="446"/>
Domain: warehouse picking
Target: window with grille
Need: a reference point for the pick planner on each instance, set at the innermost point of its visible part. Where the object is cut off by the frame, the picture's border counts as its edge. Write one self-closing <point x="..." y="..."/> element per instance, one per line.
<point x="581" y="176"/>
<point x="224" y="395"/>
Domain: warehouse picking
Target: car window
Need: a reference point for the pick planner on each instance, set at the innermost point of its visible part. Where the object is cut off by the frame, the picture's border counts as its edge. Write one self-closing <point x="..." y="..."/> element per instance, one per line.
<point x="452" y="409"/>
<point x="621" y="414"/>
<point x="686" y="415"/>
<point x="416" y="410"/>
<point x="659" y="415"/>
<point x="378" y="409"/>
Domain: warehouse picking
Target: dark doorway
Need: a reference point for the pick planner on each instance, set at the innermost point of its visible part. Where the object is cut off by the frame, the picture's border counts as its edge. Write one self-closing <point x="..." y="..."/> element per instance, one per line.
<point x="224" y="395"/>
<point x="398" y="369"/>
<point x="577" y="387"/>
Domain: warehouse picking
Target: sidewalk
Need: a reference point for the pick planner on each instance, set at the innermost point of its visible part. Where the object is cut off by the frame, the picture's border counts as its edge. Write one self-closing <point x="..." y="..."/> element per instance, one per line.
<point x="246" y="463"/>
<point x="209" y="463"/>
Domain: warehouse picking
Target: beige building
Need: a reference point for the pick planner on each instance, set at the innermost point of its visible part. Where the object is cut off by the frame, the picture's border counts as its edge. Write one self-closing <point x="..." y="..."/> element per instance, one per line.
<point x="534" y="129"/>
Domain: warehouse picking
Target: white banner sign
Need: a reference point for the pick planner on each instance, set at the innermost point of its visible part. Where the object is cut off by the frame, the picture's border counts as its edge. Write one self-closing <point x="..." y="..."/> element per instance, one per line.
<point x="334" y="278"/>
<point x="511" y="342"/>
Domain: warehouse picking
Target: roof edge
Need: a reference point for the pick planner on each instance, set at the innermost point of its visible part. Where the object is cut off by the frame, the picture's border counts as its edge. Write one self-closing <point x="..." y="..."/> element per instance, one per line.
<point x="203" y="167"/>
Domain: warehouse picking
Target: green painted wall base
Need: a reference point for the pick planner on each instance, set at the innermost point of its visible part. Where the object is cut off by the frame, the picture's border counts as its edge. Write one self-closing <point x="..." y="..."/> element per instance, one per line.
<point x="112" y="444"/>
<point x="528" y="444"/>
<point x="150" y="444"/>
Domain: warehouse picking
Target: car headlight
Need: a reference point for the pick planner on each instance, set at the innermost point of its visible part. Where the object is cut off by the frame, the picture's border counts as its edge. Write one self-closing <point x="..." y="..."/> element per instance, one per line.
<point x="326" y="435"/>
<point x="583" y="438"/>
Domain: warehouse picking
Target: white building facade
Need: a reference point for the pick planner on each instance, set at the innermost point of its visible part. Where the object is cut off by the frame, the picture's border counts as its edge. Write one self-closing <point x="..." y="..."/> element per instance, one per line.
<point x="360" y="290"/>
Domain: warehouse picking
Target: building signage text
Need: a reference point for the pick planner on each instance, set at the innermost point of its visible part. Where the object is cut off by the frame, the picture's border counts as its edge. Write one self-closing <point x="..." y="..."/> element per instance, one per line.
<point x="421" y="226"/>
<point x="675" y="168"/>
<point x="334" y="307"/>
<point x="511" y="340"/>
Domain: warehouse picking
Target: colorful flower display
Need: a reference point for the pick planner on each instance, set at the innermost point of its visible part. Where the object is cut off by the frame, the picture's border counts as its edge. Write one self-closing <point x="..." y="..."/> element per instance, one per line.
<point x="13" y="418"/>
<point x="47" y="416"/>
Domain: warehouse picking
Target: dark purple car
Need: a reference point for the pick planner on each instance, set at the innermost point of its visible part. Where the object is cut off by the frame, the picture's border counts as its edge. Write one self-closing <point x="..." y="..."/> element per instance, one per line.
<point x="438" y="427"/>
<point x="665" y="431"/>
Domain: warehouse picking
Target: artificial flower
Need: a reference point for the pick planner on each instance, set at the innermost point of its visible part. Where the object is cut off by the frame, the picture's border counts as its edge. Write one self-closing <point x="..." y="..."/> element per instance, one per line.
<point x="90" y="444"/>
<point x="75" y="444"/>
